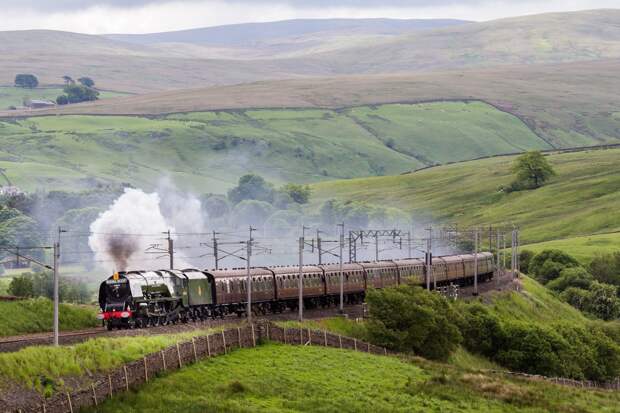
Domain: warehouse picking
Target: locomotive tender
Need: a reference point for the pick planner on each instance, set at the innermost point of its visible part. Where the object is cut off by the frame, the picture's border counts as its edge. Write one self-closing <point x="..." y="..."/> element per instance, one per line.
<point x="148" y="298"/>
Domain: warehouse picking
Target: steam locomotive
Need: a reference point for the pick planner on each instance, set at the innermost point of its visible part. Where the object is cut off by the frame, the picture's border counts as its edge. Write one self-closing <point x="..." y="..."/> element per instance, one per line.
<point x="137" y="299"/>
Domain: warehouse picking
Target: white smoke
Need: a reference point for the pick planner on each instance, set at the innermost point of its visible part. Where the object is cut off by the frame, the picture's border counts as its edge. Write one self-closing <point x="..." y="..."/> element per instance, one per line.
<point x="130" y="234"/>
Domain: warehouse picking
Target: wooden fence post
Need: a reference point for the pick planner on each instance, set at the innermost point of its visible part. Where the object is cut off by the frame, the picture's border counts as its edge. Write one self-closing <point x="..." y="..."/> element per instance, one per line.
<point x="340" y="340"/>
<point x="195" y="352"/>
<point x="208" y="346"/>
<point x="301" y="336"/>
<point x="268" y="338"/>
<point x="253" y="337"/>
<point x="163" y="359"/>
<point x="126" y="378"/>
<point x="92" y="386"/>
<point x="70" y="404"/>
<point x="224" y="341"/>
<point x="110" y="383"/>
<point x="146" y="371"/>
<point x="179" y="355"/>
<point x="309" y="337"/>
<point x="355" y="344"/>
<point x="325" y="337"/>
<point x="239" y="336"/>
<point x="284" y="333"/>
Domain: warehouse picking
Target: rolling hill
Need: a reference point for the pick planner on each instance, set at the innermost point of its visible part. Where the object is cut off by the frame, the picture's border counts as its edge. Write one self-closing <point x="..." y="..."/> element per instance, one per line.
<point x="579" y="202"/>
<point x="208" y="151"/>
<point x="138" y="67"/>
<point x="570" y="104"/>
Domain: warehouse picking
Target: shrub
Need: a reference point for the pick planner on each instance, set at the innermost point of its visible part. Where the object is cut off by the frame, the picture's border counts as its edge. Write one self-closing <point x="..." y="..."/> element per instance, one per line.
<point x="21" y="286"/>
<point x="533" y="349"/>
<point x="606" y="268"/>
<point x="525" y="258"/>
<point x="409" y="318"/>
<point x="481" y="330"/>
<point x="576" y="277"/>
<point x="601" y="300"/>
<point x="547" y="265"/>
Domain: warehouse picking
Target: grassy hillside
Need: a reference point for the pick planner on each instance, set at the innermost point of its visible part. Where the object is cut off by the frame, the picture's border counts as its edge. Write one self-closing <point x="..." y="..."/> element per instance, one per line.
<point x="324" y="379"/>
<point x="582" y="248"/>
<point x="570" y="104"/>
<point x="35" y="316"/>
<point x="581" y="200"/>
<point x="118" y="65"/>
<point x="14" y="96"/>
<point x="208" y="151"/>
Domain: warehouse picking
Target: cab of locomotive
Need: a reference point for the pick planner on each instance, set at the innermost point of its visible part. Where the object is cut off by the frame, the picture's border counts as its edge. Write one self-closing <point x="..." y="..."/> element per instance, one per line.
<point x="115" y="300"/>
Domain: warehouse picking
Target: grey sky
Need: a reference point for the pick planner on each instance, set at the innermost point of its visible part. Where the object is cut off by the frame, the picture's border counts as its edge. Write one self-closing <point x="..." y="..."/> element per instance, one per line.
<point x="141" y="16"/>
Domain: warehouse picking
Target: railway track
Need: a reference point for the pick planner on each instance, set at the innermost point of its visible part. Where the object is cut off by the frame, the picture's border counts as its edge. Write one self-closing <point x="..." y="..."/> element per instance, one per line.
<point x="15" y="343"/>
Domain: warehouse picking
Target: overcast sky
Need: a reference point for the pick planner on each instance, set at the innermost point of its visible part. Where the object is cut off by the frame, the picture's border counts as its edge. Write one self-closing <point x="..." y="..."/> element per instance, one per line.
<point x="144" y="16"/>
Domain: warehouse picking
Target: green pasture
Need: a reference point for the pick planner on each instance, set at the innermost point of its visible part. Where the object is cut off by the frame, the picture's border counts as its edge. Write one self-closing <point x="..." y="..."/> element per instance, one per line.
<point x="582" y="200"/>
<point x="15" y="96"/>
<point x="583" y="248"/>
<point x="208" y="151"/>
<point x="315" y="379"/>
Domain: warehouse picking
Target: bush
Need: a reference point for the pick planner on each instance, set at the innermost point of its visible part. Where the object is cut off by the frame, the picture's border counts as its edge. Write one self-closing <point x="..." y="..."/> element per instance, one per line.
<point x="251" y="212"/>
<point x="482" y="332"/>
<point x="26" y="80"/>
<point x="601" y="300"/>
<point x="533" y="349"/>
<point x="409" y="318"/>
<point x="571" y="277"/>
<point x="525" y="258"/>
<point x="21" y="286"/>
<point x="606" y="268"/>
<point x="547" y="265"/>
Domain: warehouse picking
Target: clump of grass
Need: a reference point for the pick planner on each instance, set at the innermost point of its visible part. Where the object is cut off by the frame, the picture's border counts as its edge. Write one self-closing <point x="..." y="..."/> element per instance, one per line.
<point x="43" y="367"/>
<point x="35" y="315"/>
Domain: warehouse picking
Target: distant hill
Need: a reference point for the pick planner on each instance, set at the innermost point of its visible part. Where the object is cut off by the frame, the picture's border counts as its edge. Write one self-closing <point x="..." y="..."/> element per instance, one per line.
<point x="302" y="49"/>
<point x="568" y="104"/>
<point x="255" y="33"/>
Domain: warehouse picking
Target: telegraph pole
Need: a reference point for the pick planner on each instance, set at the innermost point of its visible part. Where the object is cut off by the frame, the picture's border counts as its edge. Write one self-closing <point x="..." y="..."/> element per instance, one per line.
<point x="301" y="283"/>
<point x="217" y="261"/>
<point x="429" y="258"/>
<point x="498" y="265"/>
<point x="476" y="262"/>
<point x="341" y="272"/>
<point x="409" y="246"/>
<point x="318" y="246"/>
<point x="56" y="298"/>
<point x="56" y="265"/>
<point x="171" y="250"/>
<point x="249" y="280"/>
<point x="377" y="246"/>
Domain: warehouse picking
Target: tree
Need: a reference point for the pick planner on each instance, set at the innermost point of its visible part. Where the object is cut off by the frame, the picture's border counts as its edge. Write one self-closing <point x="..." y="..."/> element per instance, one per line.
<point x="26" y="80"/>
<point x="571" y="277"/>
<point x="251" y="212"/>
<point x="525" y="258"/>
<point x="87" y="81"/>
<point x="68" y="80"/>
<point x="251" y="187"/>
<point x="606" y="268"/>
<point x="532" y="170"/>
<point x="299" y="193"/>
<point x="21" y="286"/>
<point x="216" y="206"/>
<point x="604" y="302"/>
<point x="408" y="318"/>
<point x="79" y="93"/>
<point x="62" y="100"/>
<point x="548" y="264"/>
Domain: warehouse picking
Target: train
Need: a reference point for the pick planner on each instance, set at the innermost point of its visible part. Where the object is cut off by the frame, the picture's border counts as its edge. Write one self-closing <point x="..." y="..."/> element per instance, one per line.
<point x="139" y="299"/>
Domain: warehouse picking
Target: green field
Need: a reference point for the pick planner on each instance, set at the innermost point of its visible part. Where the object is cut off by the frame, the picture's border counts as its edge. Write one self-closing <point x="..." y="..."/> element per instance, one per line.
<point x="582" y="248"/>
<point x="35" y="316"/>
<point x="581" y="200"/>
<point x="15" y="96"/>
<point x="314" y="379"/>
<point x="208" y="151"/>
